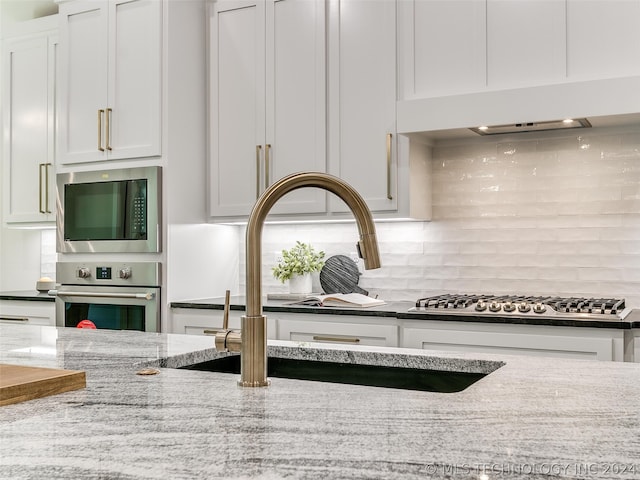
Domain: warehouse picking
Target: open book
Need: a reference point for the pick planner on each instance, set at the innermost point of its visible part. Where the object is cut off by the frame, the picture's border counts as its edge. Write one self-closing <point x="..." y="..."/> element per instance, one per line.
<point x="340" y="300"/>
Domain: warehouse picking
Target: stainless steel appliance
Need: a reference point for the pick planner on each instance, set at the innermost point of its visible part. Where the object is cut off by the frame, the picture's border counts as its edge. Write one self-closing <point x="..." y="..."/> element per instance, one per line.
<point x="113" y="295"/>
<point x="511" y="308"/>
<point x="109" y="210"/>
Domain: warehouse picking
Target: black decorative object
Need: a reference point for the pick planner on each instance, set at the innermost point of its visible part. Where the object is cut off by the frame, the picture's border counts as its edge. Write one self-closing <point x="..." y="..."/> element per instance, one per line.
<point x="340" y="274"/>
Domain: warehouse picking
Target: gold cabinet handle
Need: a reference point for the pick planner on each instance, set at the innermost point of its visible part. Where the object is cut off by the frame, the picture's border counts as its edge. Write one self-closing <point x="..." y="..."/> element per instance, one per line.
<point x="389" y="137"/>
<point x="40" y="209"/>
<point x="14" y="319"/>
<point x="225" y="314"/>
<point x="267" y="150"/>
<point x="328" y="338"/>
<point x="108" y="135"/>
<point x="258" y="149"/>
<point x="46" y="187"/>
<point x="100" y="114"/>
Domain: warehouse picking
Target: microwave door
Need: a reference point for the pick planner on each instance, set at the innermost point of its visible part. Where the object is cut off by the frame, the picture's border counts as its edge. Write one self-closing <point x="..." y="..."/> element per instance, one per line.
<point x="95" y="211"/>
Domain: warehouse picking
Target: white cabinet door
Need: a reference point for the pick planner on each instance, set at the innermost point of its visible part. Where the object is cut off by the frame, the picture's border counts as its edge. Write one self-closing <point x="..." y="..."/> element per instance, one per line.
<point x="534" y="340"/>
<point x="267" y="102"/>
<point x="295" y="137"/>
<point x="110" y="80"/>
<point x="603" y="38"/>
<point x="443" y="47"/>
<point x="364" y="150"/>
<point x="236" y="107"/>
<point x="135" y="70"/>
<point x="19" y="312"/>
<point x="526" y="43"/>
<point x="28" y="98"/>
<point x="362" y="72"/>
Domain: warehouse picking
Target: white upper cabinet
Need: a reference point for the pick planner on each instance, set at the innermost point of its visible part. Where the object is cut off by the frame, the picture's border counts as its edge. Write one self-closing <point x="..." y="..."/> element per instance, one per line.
<point x="110" y="77"/>
<point x="445" y="50"/>
<point x="466" y="63"/>
<point x="525" y="42"/>
<point x="362" y="68"/>
<point x="364" y="150"/>
<point x="603" y="38"/>
<point x="267" y="102"/>
<point x="28" y="119"/>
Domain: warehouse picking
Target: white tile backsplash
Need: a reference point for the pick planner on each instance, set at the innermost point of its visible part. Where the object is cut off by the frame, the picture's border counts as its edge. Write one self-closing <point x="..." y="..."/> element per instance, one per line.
<point x="547" y="215"/>
<point x="48" y="256"/>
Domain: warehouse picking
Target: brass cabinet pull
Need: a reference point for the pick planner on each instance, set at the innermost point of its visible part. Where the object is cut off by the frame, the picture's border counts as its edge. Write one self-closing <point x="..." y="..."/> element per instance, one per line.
<point x="46" y="187"/>
<point x="225" y="314"/>
<point x="266" y="165"/>
<point x="40" y="209"/>
<point x="108" y="134"/>
<point x="327" y="338"/>
<point x="14" y="319"/>
<point x="258" y="149"/>
<point x="389" y="137"/>
<point x="100" y="114"/>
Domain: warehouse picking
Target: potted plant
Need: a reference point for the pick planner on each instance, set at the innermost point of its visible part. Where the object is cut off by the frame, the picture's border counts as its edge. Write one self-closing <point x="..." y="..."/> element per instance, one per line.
<point x="297" y="264"/>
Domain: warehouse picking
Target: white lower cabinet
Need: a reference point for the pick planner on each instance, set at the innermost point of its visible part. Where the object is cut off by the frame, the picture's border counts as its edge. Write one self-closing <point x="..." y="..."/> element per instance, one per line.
<point x="635" y="346"/>
<point x="23" y="312"/>
<point x="349" y="330"/>
<point x="534" y="340"/>
<point x="200" y="321"/>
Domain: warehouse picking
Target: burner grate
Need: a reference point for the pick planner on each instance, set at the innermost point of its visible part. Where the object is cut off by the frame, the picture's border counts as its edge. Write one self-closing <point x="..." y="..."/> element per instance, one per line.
<point x="524" y="303"/>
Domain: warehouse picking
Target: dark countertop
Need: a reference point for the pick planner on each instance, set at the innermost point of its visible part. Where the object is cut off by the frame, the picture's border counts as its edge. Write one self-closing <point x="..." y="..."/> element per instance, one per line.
<point x="391" y="309"/>
<point x="532" y="418"/>
<point x="28" y="295"/>
<point x="400" y="310"/>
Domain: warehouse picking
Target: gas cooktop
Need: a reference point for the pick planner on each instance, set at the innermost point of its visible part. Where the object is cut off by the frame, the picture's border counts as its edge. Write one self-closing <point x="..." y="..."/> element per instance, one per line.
<point x="523" y="306"/>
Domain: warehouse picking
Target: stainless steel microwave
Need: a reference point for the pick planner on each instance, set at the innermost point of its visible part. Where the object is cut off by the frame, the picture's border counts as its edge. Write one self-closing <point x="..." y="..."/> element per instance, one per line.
<point x="109" y="210"/>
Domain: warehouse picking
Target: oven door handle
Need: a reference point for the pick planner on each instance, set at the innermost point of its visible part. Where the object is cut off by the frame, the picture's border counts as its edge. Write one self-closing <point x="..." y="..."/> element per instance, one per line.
<point x="144" y="296"/>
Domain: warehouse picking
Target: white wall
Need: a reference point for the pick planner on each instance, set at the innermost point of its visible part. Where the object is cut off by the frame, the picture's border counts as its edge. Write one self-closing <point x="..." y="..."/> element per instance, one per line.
<point x="20" y="260"/>
<point x="543" y="214"/>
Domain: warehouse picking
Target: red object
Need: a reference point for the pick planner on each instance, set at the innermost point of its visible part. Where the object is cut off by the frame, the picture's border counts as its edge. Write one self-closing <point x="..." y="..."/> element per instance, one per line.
<point x="86" y="324"/>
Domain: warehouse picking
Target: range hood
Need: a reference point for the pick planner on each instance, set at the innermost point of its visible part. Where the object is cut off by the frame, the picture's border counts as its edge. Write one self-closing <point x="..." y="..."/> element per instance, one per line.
<point x="565" y="124"/>
<point x="600" y="103"/>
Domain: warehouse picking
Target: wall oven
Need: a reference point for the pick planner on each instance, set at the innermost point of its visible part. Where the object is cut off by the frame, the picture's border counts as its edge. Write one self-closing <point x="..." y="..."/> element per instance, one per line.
<point x="111" y="211"/>
<point x="112" y="295"/>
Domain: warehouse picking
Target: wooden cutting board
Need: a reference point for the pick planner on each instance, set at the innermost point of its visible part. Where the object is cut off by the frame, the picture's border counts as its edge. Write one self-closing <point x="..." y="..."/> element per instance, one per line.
<point x="19" y="383"/>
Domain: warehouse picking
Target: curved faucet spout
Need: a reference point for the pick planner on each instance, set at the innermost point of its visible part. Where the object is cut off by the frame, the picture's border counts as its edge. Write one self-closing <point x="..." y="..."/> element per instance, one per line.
<point x="253" y="340"/>
<point x="367" y="245"/>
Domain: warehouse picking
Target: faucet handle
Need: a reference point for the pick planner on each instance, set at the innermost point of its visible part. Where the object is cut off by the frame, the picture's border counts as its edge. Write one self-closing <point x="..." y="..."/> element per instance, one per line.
<point x="227" y="340"/>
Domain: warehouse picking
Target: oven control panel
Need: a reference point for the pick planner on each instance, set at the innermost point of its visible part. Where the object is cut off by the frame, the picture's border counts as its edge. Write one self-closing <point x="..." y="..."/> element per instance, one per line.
<point x="109" y="273"/>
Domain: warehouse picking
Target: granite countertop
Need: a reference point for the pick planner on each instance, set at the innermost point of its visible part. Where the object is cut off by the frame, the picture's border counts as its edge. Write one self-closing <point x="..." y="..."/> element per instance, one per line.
<point x="390" y="309"/>
<point x="530" y="418"/>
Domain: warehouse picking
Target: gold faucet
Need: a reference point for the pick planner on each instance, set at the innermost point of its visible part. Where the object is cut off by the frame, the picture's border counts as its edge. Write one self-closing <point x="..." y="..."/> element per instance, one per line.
<point x="251" y="341"/>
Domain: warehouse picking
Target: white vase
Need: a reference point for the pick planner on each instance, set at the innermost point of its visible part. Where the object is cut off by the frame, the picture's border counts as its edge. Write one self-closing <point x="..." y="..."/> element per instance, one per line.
<point x="300" y="283"/>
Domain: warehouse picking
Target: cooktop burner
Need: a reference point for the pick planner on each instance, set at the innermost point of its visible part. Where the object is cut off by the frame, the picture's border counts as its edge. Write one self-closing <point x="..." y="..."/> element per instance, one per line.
<point x="522" y="305"/>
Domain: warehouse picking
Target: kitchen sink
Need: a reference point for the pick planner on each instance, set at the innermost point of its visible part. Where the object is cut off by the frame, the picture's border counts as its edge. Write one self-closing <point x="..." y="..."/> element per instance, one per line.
<point x="421" y="379"/>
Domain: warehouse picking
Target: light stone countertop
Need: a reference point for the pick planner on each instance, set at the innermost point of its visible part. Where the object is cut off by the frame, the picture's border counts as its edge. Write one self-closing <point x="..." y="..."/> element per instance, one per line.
<point x="530" y="418"/>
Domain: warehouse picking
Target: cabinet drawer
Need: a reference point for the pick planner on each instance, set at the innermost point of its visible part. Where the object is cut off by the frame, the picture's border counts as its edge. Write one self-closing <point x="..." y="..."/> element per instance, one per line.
<point x="194" y="321"/>
<point x="16" y="312"/>
<point x="534" y="340"/>
<point x="338" y="332"/>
